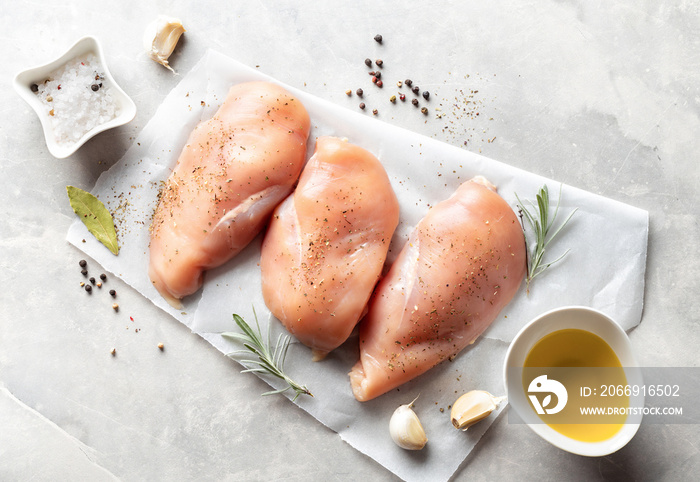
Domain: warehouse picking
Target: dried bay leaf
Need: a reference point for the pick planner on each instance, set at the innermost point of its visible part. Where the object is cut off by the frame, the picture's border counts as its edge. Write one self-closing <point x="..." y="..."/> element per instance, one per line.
<point x="94" y="216"/>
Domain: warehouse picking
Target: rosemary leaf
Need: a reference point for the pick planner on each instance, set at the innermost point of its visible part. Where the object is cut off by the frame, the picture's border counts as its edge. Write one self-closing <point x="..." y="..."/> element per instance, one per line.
<point x="540" y="223"/>
<point x="269" y="361"/>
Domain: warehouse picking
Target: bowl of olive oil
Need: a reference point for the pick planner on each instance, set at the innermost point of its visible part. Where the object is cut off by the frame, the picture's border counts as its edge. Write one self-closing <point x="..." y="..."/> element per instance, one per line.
<point x="571" y="375"/>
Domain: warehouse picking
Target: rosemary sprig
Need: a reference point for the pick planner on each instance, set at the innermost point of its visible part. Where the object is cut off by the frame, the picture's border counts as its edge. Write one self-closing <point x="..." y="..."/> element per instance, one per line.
<point x="541" y="225"/>
<point x="269" y="361"/>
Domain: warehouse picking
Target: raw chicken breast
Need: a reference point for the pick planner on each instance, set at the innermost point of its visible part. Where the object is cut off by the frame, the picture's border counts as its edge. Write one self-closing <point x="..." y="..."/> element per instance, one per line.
<point x="461" y="265"/>
<point x="324" y="250"/>
<point x="234" y="170"/>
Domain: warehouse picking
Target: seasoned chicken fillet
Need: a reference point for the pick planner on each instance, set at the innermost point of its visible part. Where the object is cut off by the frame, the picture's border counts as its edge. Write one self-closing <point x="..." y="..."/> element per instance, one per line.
<point x="462" y="264"/>
<point x="326" y="244"/>
<point x="234" y="170"/>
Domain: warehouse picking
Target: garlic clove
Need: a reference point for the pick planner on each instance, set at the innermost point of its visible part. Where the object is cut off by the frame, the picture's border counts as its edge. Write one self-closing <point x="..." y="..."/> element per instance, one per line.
<point x="472" y="407"/>
<point x="406" y="429"/>
<point x="161" y="37"/>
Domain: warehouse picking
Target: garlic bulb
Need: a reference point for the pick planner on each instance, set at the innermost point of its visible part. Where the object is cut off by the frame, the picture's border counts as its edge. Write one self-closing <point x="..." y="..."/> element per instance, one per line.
<point x="405" y="428"/>
<point x="472" y="407"/>
<point x="160" y="38"/>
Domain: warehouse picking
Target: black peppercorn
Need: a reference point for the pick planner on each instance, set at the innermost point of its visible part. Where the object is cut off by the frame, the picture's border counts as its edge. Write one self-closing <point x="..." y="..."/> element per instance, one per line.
<point x="92" y="280"/>
<point x="416" y="90"/>
<point x="82" y="263"/>
<point x="408" y="82"/>
<point x="359" y="92"/>
<point x="112" y="293"/>
<point x="368" y="62"/>
<point x="379" y="62"/>
<point x="35" y="88"/>
<point x="88" y="288"/>
<point x="378" y="74"/>
<point x="83" y="272"/>
<point x="415" y="102"/>
<point x="95" y="87"/>
<point x="426" y="94"/>
<point x="103" y="276"/>
<point x="378" y="38"/>
<point x="362" y="105"/>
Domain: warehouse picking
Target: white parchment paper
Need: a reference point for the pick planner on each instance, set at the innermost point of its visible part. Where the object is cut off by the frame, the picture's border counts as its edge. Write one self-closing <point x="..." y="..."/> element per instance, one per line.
<point x="604" y="269"/>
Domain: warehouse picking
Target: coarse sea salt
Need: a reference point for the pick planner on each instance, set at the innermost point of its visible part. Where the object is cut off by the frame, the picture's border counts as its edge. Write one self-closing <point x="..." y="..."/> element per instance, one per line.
<point x="77" y="98"/>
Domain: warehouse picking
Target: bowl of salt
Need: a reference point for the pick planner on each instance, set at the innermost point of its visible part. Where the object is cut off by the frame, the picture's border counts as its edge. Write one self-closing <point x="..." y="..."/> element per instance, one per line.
<point x="75" y="97"/>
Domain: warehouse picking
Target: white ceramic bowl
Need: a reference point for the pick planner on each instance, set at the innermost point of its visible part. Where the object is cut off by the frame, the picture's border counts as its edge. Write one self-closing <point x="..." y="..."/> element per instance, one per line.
<point x="583" y="318"/>
<point x="24" y="80"/>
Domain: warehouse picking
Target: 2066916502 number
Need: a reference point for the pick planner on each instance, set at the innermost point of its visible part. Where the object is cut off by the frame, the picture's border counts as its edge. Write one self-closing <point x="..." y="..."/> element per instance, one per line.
<point x="635" y="390"/>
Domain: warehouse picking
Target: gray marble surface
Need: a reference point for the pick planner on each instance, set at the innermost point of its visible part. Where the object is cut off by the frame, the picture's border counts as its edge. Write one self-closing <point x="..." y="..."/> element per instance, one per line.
<point x="604" y="97"/>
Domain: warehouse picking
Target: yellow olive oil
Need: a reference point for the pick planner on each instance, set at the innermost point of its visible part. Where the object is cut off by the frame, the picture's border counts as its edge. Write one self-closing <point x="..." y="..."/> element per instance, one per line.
<point x="580" y="348"/>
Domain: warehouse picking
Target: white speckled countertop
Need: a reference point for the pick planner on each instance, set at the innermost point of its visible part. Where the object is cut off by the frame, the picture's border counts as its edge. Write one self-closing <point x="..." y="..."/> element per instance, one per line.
<point x="605" y="98"/>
